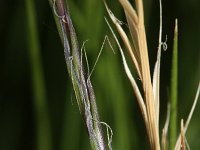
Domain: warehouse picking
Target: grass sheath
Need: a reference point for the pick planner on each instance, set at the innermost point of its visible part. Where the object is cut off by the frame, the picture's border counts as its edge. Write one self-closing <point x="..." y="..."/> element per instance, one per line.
<point x="81" y="81"/>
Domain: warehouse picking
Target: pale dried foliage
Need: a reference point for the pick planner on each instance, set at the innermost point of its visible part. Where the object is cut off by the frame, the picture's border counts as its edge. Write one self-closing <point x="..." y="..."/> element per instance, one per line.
<point x="165" y="130"/>
<point x="182" y="136"/>
<point x="138" y="52"/>
<point x="139" y="55"/>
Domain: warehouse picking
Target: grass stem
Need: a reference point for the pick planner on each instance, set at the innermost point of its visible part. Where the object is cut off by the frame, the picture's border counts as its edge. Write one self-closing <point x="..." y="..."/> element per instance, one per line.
<point x="174" y="91"/>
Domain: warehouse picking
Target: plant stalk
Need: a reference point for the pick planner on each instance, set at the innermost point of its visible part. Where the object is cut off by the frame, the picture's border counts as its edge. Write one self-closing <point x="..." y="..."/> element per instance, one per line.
<point x="174" y="91"/>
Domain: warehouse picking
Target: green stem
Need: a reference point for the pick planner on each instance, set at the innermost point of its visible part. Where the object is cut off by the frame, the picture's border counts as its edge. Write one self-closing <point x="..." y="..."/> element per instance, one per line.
<point x="174" y="91"/>
<point x="40" y="106"/>
<point x="81" y="83"/>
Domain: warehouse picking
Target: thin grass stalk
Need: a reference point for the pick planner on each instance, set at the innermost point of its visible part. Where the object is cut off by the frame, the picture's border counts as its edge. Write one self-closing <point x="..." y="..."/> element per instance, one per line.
<point x="81" y="81"/>
<point x="174" y="91"/>
<point x="156" y="73"/>
<point x="44" y="139"/>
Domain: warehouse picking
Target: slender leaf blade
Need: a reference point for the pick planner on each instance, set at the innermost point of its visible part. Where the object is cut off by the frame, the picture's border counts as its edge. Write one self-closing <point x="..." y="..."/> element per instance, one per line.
<point x="174" y="90"/>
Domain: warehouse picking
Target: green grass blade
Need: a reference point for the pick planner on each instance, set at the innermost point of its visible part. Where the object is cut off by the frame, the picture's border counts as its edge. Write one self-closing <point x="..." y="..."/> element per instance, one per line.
<point x="41" y="114"/>
<point x="174" y="91"/>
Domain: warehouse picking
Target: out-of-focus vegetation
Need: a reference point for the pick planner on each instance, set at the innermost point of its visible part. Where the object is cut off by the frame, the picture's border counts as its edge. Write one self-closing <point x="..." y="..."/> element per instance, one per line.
<point x="116" y="102"/>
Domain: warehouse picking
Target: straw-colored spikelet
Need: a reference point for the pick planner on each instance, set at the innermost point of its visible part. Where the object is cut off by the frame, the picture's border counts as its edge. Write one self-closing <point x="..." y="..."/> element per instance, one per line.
<point x="149" y="103"/>
<point x="138" y="51"/>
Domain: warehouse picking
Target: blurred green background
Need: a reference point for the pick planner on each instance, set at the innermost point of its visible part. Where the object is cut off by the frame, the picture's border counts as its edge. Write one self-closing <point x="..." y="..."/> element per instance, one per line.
<point x="117" y="105"/>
